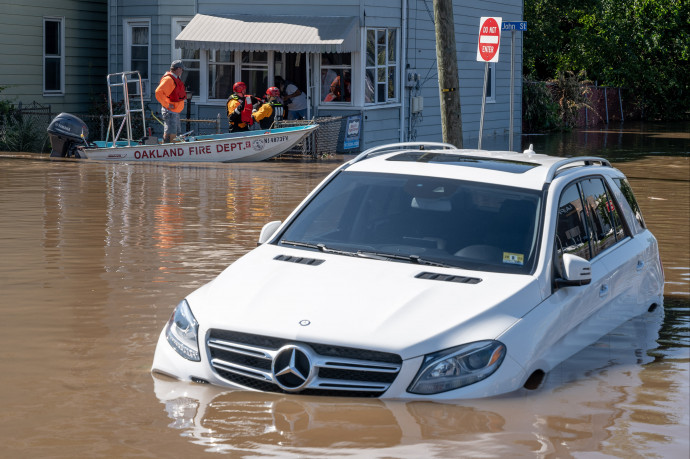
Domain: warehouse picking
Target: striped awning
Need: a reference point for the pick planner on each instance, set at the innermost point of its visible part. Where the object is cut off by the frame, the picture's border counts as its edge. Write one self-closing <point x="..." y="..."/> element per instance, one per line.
<point x="287" y="34"/>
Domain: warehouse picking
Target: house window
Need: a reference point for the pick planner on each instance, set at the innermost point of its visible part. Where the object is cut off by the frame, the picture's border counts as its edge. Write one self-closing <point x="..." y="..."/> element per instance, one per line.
<point x="381" y="77"/>
<point x="225" y="66"/>
<point x="491" y="83"/>
<point x="221" y="73"/>
<point x="53" y="55"/>
<point x="254" y="72"/>
<point x="336" y="72"/>
<point x="138" y="53"/>
<point x="191" y="58"/>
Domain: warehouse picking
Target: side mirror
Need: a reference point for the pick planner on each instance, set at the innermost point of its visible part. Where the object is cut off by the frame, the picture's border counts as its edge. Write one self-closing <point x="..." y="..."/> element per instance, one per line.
<point x="268" y="231"/>
<point x="576" y="271"/>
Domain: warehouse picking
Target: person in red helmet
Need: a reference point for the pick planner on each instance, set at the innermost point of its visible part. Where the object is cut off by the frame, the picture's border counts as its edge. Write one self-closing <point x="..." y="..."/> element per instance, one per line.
<point x="240" y="106"/>
<point x="271" y="110"/>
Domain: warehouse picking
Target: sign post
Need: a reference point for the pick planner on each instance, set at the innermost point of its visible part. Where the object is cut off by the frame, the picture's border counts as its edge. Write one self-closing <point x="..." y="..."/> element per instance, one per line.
<point x="512" y="26"/>
<point x="487" y="51"/>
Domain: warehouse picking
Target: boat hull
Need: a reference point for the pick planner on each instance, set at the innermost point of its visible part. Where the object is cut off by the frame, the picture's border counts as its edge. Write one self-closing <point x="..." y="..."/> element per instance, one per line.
<point x="248" y="146"/>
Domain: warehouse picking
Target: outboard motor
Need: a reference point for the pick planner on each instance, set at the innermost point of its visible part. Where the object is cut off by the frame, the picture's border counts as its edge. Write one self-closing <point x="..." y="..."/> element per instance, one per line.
<point x="66" y="132"/>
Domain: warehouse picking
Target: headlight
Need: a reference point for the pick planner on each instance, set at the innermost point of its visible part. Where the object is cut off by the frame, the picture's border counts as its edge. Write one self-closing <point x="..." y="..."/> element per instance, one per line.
<point x="182" y="332"/>
<point x="458" y="367"/>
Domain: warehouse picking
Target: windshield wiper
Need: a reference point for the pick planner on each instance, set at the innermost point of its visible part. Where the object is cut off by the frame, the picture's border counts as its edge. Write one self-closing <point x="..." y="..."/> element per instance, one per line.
<point x="320" y="247"/>
<point x="372" y="255"/>
<point x="410" y="258"/>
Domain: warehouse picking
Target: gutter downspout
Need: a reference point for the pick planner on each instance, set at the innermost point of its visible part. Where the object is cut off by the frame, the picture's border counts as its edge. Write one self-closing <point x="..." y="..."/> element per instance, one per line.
<point x="403" y="63"/>
<point x="109" y="42"/>
<point x="409" y="118"/>
<point x="112" y="66"/>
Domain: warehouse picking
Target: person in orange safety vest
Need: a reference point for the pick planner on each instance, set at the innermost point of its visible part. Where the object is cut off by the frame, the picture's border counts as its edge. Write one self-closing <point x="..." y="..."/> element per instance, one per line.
<point x="240" y="107"/>
<point x="171" y="94"/>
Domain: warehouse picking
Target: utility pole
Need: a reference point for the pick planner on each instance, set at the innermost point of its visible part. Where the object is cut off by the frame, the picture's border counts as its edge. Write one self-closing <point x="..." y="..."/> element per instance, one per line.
<point x="448" y="82"/>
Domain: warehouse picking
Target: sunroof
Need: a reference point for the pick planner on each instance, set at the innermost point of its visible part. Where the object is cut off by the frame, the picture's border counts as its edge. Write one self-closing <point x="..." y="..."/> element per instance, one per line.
<point x="503" y="165"/>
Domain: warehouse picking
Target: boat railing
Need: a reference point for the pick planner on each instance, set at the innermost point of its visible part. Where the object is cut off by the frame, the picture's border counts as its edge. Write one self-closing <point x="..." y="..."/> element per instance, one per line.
<point x="130" y="105"/>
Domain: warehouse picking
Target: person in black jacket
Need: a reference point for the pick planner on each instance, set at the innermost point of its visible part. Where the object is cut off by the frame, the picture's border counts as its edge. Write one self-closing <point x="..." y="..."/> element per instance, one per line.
<point x="271" y="110"/>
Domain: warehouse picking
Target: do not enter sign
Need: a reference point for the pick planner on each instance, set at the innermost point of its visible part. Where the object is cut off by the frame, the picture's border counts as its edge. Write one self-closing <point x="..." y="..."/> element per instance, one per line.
<point x="489" y="39"/>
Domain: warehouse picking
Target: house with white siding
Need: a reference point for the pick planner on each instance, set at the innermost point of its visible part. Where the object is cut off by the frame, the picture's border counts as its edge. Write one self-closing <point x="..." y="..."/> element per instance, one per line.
<point x="53" y="52"/>
<point x="386" y="48"/>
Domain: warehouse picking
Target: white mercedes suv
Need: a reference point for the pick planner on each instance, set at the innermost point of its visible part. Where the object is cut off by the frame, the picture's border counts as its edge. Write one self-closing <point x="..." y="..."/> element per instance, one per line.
<point x="421" y="271"/>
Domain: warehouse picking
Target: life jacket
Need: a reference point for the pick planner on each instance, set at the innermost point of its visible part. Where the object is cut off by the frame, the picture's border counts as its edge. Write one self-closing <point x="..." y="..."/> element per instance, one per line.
<point x="179" y="92"/>
<point x="245" y="108"/>
<point x="246" y="115"/>
<point x="276" y="115"/>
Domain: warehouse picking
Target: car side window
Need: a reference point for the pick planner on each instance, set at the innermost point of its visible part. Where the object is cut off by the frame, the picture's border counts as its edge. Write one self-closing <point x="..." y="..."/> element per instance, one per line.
<point x="630" y="197"/>
<point x="572" y="235"/>
<point x="614" y="209"/>
<point x="604" y="222"/>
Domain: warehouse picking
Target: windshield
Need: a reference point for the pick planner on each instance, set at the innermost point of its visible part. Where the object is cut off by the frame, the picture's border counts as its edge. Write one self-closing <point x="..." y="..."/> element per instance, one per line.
<point x="427" y="220"/>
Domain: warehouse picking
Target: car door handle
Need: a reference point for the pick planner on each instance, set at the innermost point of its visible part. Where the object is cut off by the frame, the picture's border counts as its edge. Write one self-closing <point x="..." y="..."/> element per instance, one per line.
<point x="640" y="265"/>
<point x="603" y="291"/>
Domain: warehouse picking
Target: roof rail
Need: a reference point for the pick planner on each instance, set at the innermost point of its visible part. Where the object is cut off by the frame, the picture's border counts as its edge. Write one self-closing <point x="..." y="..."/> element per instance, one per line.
<point x="382" y="149"/>
<point x="563" y="164"/>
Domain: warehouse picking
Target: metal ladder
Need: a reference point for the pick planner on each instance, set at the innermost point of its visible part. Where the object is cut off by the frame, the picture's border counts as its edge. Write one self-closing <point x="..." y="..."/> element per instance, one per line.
<point x="125" y="119"/>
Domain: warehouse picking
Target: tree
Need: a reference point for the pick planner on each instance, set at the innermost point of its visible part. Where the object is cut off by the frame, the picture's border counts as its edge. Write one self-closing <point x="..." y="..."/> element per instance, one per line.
<point x="640" y="45"/>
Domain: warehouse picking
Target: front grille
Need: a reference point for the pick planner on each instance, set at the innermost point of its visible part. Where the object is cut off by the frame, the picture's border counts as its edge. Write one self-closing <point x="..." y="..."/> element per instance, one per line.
<point x="246" y="360"/>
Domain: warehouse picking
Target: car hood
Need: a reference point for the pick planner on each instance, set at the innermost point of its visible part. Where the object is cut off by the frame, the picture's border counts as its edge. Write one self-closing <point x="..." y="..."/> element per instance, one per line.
<point x="359" y="302"/>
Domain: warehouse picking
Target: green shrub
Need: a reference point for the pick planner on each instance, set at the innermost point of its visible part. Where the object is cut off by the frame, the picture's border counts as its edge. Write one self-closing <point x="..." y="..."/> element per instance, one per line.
<point x="5" y="105"/>
<point x="572" y="94"/>
<point x="539" y="111"/>
<point x="21" y="133"/>
<point x="17" y="132"/>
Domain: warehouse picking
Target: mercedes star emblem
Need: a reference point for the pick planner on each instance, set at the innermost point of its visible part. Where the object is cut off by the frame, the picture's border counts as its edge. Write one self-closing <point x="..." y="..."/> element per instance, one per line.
<point x="292" y="368"/>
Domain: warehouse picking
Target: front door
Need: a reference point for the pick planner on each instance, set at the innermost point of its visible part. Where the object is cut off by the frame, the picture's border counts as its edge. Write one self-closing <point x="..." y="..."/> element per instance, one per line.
<point x="295" y="67"/>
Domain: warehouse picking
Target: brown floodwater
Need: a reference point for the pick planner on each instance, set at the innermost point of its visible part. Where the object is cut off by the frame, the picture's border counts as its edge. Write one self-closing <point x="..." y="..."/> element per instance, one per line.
<point x="94" y="256"/>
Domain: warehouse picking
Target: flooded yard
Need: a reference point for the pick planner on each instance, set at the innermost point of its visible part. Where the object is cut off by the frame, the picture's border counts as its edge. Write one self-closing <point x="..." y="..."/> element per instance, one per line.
<point x="94" y="257"/>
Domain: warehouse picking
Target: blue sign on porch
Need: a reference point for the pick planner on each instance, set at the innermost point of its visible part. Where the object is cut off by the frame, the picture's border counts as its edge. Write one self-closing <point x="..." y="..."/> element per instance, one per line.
<point x="352" y="133"/>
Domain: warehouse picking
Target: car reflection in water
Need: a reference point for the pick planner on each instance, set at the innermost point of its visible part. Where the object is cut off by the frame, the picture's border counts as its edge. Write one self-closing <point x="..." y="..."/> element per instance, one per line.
<point x="224" y="420"/>
<point x="227" y="420"/>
